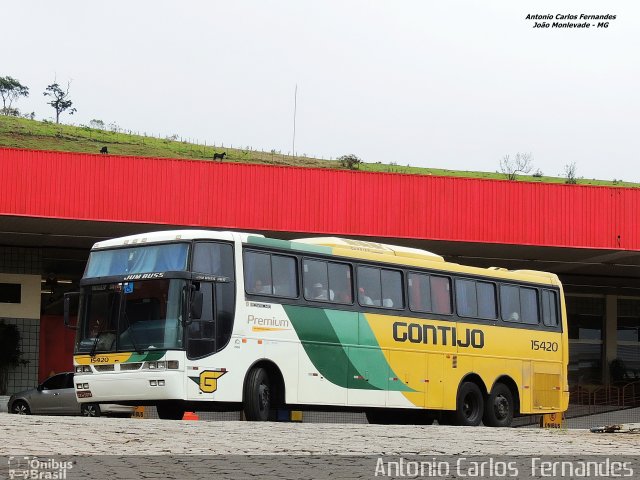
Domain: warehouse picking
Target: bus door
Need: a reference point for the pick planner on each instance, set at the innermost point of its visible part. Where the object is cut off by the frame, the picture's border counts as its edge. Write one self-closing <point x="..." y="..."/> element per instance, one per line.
<point x="201" y="340"/>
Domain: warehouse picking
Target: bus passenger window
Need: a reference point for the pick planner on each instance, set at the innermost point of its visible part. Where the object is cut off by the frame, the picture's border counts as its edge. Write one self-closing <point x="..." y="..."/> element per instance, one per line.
<point x="510" y="303"/>
<point x="257" y="273"/>
<point x="392" y="289"/>
<point x="315" y="280"/>
<point x="369" y="289"/>
<point x="549" y="308"/>
<point x="266" y="274"/>
<point x="487" y="307"/>
<point x="529" y="306"/>
<point x="519" y="304"/>
<point x="285" y="282"/>
<point x="441" y="295"/>
<point x="419" y="292"/>
<point x="340" y="289"/>
<point x="466" y="300"/>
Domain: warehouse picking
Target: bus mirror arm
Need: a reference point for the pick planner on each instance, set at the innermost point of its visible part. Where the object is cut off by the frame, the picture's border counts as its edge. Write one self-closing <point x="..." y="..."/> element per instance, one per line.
<point x="67" y="302"/>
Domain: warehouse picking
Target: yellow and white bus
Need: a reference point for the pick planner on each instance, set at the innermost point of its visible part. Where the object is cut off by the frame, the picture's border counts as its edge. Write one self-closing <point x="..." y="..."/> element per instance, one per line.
<point x="203" y="320"/>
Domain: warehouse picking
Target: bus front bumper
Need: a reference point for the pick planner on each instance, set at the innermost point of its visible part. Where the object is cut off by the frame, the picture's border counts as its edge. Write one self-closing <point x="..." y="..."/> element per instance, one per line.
<point x="129" y="387"/>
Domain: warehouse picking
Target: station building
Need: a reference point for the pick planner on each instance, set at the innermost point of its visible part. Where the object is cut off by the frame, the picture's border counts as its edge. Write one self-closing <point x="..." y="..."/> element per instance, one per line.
<point x="54" y="206"/>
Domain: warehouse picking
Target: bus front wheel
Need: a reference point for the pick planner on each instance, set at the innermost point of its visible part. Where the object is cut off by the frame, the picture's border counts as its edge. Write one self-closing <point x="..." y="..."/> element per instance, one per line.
<point x="469" y="405"/>
<point x="498" y="411"/>
<point x="259" y="396"/>
<point x="170" y="411"/>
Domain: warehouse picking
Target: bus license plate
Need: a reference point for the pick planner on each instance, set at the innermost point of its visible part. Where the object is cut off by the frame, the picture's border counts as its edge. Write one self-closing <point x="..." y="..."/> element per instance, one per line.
<point x="85" y="394"/>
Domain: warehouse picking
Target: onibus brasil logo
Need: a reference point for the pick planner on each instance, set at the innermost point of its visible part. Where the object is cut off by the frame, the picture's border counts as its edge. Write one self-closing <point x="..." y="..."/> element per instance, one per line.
<point x="37" y="468"/>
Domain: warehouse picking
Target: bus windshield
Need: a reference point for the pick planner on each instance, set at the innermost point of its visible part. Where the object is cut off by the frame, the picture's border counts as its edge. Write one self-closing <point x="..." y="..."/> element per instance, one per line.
<point x="140" y="259"/>
<point x="132" y="316"/>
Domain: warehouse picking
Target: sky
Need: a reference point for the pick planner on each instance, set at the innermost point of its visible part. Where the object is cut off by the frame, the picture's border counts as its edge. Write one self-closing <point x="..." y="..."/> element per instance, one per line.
<point x="452" y="84"/>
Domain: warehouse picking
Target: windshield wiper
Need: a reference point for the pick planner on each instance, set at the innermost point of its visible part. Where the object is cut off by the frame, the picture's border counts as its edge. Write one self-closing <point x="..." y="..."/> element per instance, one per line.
<point x="95" y="344"/>
<point x="130" y="329"/>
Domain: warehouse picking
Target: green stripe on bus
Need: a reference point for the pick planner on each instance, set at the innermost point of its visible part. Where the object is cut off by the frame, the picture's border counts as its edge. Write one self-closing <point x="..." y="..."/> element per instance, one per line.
<point x="146" y="357"/>
<point x="330" y="339"/>
<point x="285" y="244"/>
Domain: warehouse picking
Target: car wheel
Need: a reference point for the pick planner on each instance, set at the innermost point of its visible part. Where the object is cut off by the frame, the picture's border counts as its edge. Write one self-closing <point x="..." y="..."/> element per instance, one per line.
<point x="90" y="410"/>
<point x="20" y="407"/>
<point x="498" y="412"/>
<point x="259" y="396"/>
<point x="469" y="405"/>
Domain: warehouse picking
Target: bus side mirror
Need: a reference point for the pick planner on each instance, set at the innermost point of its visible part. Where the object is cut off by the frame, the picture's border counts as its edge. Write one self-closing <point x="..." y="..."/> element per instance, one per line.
<point x="67" y="301"/>
<point x="196" y="305"/>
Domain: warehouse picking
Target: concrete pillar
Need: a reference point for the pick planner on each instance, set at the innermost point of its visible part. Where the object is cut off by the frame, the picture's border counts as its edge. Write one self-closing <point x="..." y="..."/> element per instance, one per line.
<point x="610" y="334"/>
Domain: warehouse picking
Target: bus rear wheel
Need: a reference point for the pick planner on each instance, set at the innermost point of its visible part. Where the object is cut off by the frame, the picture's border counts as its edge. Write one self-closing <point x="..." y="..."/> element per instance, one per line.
<point x="498" y="411"/>
<point x="469" y="405"/>
<point x="259" y="396"/>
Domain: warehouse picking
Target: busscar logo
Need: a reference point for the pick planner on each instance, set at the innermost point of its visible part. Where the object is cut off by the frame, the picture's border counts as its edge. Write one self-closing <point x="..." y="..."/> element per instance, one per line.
<point x="144" y="276"/>
<point x="437" y="335"/>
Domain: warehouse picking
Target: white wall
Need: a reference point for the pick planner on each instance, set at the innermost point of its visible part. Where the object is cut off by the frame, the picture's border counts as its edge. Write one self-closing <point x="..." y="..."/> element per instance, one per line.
<point x="29" y="306"/>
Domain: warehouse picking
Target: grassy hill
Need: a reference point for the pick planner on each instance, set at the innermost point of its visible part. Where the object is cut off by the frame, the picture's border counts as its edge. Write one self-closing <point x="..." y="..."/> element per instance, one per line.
<point x="33" y="134"/>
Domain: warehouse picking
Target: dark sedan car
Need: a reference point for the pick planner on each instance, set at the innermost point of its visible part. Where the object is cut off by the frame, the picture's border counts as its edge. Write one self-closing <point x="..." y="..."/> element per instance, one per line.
<point x="56" y="396"/>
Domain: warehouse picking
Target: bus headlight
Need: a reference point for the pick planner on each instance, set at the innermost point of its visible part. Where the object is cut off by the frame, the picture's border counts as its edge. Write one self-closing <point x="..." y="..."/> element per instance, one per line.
<point x="83" y="369"/>
<point x="155" y="365"/>
<point x="173" y="364"/>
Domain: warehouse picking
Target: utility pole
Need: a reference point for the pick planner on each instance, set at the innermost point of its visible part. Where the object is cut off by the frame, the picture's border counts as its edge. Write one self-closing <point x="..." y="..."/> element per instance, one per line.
<point x="295" y="107"/>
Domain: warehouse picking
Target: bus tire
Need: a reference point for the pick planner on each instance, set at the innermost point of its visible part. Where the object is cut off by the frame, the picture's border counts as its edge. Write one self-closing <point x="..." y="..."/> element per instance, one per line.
<point x="259" y="396"/>
<point x="378" y="417"/>
<point x="498" y="410"/>
<point x="469" y="405"/>
<point x="170" y="411"/>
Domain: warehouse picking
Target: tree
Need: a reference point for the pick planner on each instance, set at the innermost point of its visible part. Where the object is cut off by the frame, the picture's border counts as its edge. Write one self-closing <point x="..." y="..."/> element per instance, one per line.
<point x="61" y="101"/>
<point x="10" y="354"/>
<point x="96" y="123"/>
<point x="10" y="90"/>
<point x="570" y="173"/>
<point x="350" y="162"/>
<point x="521" y="163"/>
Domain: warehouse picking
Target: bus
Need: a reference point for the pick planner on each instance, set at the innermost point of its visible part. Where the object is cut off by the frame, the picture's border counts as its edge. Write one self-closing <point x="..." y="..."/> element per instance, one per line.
<point x="196" y="320"/>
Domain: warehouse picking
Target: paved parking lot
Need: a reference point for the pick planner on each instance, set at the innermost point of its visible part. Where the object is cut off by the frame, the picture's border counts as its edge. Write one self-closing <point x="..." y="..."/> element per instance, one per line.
<point x="41" y="435"/>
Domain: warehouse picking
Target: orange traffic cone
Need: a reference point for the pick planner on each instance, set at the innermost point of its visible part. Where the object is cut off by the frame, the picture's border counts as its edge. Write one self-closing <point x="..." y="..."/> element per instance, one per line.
<point x="190" y="416"/>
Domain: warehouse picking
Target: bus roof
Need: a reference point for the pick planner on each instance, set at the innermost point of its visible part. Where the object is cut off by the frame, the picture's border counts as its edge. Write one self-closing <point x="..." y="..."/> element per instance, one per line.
<point x="372" y="247"/>
<point x="172" y="236"/>
<point x="336" y="246"/>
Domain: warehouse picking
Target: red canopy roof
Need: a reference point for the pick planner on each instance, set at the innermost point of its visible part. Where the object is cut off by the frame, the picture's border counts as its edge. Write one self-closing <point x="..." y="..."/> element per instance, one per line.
<point x="257" y="197"/>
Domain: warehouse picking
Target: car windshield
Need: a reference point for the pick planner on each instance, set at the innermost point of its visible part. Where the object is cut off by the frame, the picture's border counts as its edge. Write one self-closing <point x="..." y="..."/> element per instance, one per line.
<point x="131" y="316"/>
